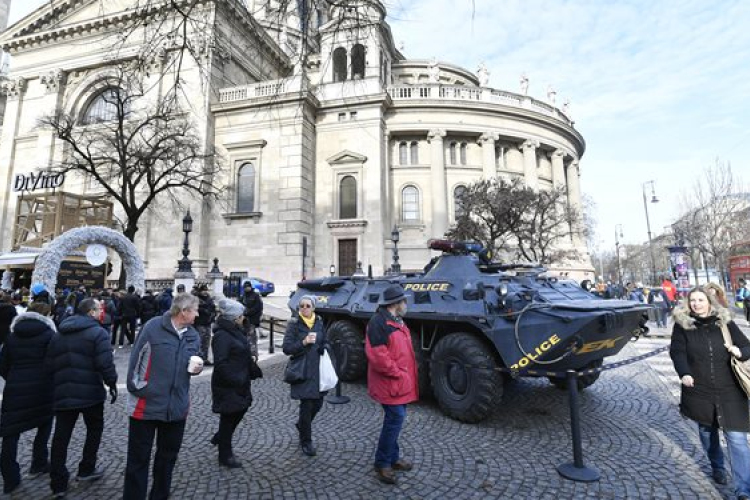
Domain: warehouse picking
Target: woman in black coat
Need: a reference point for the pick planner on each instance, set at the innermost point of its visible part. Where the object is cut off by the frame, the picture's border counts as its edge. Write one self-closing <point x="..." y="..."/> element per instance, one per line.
<point x="230" y="381"/>
<point x="7" y="313"/>
<point x="28" y="396"/>
<point x="711" y="395"/>
<point x="306" y="336"/>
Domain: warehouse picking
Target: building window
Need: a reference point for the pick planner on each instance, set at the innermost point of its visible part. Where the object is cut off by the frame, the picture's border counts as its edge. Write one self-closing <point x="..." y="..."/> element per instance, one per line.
<point x="414" y="152"/>
<point x="410" y="204"/>
<point x="358" y="62"/>
<point x="342" y="117"/>
<point x="452" y="151"/>
<point x="353" y="115"/>
<point x="458" y="205"/>
<point x="339" y="64"/>
<point x="402" y="153"/>
<point x="103" y="107"/>
<point x="464" y="147"/>
<point x="348" y="198"/>
<point x="246" y="188"/>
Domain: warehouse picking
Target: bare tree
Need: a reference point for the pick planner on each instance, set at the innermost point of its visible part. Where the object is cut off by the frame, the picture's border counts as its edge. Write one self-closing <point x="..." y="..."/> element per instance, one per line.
<point x="137" y="149"/>
<point x="510" y="218"/>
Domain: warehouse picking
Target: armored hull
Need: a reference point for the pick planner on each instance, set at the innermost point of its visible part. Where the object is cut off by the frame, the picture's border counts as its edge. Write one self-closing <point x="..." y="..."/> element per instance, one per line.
<point x="468" y="319"/>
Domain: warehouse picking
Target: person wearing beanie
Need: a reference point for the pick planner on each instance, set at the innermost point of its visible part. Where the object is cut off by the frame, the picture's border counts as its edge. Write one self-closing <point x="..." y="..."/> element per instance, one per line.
<point x="305" y="336"/>
<point x="231" y="397"/>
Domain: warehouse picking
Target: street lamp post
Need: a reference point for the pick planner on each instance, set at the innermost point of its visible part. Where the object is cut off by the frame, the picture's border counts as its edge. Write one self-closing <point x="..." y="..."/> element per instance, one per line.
<point x="185" y="265"/>
<point x="395" y="236"/>
<point x="618" y="235"/>
<point x="654" y="199"/>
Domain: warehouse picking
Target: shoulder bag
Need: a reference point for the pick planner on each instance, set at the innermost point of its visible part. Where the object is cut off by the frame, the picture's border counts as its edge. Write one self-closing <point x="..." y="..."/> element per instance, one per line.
<point x="740" y="369"/>
<point x="295" y="370"/>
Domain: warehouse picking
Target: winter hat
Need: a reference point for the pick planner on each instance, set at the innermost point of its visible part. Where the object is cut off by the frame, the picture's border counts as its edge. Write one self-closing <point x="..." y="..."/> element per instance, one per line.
<point x="230" y="309"/>
<point x="37" y="288"/>
<point x="391" y="295"/>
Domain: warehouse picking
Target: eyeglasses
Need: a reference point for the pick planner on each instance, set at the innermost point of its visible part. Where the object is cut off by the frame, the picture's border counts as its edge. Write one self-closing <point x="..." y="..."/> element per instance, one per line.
<point x="305" y="306"/>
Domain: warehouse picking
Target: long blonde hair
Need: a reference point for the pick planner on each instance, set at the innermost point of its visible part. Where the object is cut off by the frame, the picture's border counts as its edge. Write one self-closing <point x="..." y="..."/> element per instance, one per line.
<point x="718" y="293"/>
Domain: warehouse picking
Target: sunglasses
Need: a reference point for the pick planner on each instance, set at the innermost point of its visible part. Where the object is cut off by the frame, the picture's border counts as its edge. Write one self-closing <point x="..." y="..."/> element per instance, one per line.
<point x="305" y="306"/>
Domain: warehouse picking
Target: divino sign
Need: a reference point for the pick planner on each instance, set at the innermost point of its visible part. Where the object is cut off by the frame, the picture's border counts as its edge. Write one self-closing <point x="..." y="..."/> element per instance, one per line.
<point x="41" y="180"/>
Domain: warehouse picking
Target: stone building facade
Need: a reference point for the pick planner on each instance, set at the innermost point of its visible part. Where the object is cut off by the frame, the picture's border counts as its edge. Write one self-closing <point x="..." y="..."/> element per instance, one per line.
<point x="329" y="134"/>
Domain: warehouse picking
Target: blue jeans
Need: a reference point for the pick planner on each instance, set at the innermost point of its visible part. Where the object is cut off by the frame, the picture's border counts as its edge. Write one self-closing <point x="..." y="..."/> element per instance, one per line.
<point x="393" y="419"/>
<point x="739" y="455"/>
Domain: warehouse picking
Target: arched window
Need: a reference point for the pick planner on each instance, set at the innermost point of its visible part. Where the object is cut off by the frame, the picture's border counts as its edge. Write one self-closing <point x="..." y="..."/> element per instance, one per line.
<point x="348" y="198"/>
<point x="410" y="204"/>
<point x="339" y="64"/>
<point x="414" y="152"/>
<point x="103" y="107"/>
<point x="464" y="146"/>
<point x="358" y="62"/>
<point x="246" y="188"/>
<point x="452" y="150"/>
<point x="458" y="204"/>
<point x="402" y="153"/>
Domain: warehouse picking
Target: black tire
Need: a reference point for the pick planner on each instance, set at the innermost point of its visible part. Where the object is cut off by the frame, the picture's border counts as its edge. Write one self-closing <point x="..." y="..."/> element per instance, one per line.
<point x="583" y="382"/>
<point x="348" y="341"/>
<point x="265" y="294"/>
<point x="465" y="381"/>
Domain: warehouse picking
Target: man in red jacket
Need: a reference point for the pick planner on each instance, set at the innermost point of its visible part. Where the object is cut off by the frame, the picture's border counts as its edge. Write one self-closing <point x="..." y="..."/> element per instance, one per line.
<point x="391" y="377"/>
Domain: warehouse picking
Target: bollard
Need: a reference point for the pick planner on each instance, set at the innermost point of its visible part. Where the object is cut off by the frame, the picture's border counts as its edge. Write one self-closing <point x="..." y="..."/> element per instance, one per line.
<point x="576" y="471"/>
<point x="270" y="338"/>
<point x="338" y="399"/>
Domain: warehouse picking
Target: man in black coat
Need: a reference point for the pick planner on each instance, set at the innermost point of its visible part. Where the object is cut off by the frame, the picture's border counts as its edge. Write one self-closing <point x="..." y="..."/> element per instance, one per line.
<point x="130" y="311"/>
<point x="80" y="358"/>
<point x="7" y="313"/>
<point x="149" y="307"/>
<point x="206" y="316"/>
<point x="253" y="309"/>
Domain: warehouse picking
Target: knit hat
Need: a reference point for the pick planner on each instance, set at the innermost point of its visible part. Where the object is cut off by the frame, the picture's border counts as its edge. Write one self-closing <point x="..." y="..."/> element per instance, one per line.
<point x="230" y="309"/>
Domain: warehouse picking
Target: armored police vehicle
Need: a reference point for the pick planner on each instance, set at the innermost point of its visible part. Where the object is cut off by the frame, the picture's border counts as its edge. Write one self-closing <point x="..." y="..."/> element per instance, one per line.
<point x="469" y="316"/>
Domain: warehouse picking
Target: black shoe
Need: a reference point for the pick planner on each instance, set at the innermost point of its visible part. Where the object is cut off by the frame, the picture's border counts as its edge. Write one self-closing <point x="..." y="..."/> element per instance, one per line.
<point x="720" y="476"/>
<point x="215" y="439"/>
<point x="231" y="463"/>
<point x="38" y="471"/>
<point x="97" y="473"/>
<point x="309" y="450"/>
<point x="60" y="494"/>
<point x="743" y="497"/>
<point x="10" y="488"/>
<point x="208" y="363"/>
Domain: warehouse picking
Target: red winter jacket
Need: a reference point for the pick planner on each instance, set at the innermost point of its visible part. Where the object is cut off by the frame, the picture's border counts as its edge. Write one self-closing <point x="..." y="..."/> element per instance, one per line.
<point x="391" y="369"/>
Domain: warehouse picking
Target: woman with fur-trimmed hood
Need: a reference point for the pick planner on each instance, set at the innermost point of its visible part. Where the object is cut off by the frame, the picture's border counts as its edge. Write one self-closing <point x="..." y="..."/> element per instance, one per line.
<point x="711" y="395"/>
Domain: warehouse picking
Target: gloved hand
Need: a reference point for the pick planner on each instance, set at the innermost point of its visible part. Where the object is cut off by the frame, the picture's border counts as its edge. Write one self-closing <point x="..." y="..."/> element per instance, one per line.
<point x="112" y="394"/>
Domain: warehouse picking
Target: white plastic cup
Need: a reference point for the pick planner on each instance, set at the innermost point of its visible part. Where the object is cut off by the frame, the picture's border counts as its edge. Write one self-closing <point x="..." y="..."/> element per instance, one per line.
<point x="195" y="365"/>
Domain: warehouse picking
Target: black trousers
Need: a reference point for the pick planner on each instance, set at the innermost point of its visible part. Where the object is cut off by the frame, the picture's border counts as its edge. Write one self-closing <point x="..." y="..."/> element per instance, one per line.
<point x="228" y="423"/>
<point x="128" y="329"/>
<point x="747" y="311"/>
<point x="308" y="408"/>
<point x="8" y="456"/>
<point x="204" y="331"/>
<point x="65" y="422"/>
<point x="140" y="441"/>
<point x="115" y="327"/>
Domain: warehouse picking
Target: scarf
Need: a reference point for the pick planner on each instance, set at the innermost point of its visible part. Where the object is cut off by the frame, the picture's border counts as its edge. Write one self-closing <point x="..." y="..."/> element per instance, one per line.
<point x="308" y="321"/>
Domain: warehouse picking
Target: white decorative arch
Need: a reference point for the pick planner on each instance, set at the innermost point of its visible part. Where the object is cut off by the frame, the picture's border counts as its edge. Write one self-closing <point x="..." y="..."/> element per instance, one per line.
<point x="48" y="263"/>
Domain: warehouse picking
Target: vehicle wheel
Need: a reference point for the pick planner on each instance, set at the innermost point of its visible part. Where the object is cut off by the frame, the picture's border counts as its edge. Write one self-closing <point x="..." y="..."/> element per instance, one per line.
<point x="348" y="341"/>
<point x="584" y="381"/>
<point x="265" y="294"/>
<point x="465" y="381"/>
<point x="423" y="367"/>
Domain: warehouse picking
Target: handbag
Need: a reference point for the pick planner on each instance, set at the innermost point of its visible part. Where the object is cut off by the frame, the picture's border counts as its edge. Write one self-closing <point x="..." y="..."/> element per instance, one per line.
<point x="295" y="373"/>
<point x="254" y="370"/>
<point x="740" y="369"/>
<point x="328" y="378"/>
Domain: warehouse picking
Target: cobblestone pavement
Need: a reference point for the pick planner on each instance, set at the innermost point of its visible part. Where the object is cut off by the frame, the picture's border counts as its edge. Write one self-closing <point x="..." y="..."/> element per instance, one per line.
<point x="631" y="427"/>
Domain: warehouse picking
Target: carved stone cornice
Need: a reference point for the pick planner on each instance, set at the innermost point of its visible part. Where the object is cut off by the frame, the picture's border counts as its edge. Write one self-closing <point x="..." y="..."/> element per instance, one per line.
<point x="53" y="80"/>
<point x="13" y="87"/>
<point x="436" y="134"/>
<point x="346" y="223"/>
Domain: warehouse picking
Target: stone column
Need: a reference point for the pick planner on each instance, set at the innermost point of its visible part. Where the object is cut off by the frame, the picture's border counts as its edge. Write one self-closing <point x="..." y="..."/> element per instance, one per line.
<point x="489" y="157"/>
<point x="558" y="168"/>
<point x="54" y="82"/>
<point x="439" y="189"/>
<point x="217" y="280"/>
<point x="14" y="90"/>
<point x="574" y="197"/>
<point x="530" y="164"/>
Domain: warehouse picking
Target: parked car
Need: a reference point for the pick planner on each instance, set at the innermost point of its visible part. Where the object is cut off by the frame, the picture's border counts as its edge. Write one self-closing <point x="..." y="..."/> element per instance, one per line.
<point x="263" y="287"/>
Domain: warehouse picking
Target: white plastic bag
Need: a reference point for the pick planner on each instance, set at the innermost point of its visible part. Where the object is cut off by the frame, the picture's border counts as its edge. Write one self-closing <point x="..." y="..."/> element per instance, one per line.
<point x="328" y="378"/>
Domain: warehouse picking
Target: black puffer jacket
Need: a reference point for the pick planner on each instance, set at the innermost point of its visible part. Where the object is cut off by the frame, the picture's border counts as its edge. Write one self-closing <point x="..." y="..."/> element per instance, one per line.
<point x="7" y="313"/>
<point x="80" y="358"/>
<point x="296" y="331"/>
<point x="698" y="350"/>
<point x="130" y="306"/>
<point x="230" y="381"/>
<point x="27" y="397"/>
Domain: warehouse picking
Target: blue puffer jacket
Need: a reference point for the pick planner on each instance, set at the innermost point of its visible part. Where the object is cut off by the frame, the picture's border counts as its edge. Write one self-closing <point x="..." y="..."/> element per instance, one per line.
<point x="158" y="380"/>
<point x="80" y="358"/>
<point x="27" y="397"/>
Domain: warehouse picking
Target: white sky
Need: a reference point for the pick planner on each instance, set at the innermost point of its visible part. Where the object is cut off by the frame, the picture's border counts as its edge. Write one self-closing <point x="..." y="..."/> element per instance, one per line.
<point x="658" y="89"/>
